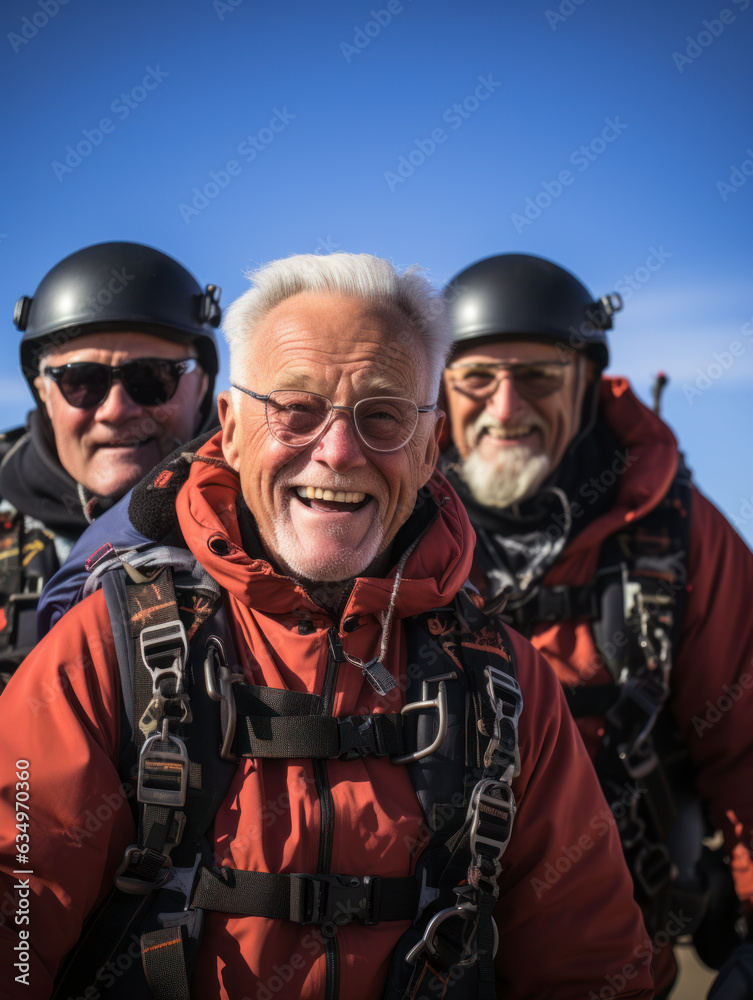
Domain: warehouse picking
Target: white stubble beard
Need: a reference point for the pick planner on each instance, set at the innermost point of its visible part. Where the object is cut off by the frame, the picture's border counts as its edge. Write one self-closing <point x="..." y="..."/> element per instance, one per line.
<point x="515" y="474"/>
<point x="298" y="562"/>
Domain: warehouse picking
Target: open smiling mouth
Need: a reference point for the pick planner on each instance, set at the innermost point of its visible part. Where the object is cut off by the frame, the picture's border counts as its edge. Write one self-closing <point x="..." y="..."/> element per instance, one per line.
<point x="129" y="443"/>
<point x="339" y="501"/>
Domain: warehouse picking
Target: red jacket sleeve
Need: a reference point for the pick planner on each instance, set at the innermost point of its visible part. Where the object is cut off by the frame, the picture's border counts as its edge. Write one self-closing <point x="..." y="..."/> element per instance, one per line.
<point x="567" y="919"/>
<point x="59" y="721"/>
<point x="712" y="679"/>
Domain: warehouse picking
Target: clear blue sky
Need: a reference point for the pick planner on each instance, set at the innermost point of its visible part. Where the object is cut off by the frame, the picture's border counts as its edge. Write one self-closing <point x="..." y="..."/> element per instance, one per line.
<point x="317" y="103"/>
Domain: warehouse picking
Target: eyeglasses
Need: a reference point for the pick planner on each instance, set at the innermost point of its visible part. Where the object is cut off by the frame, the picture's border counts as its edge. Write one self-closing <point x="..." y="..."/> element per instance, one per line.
<point x="296" y="419"/>
<point x="532" y="380"/>
<point x="148" y="381"/>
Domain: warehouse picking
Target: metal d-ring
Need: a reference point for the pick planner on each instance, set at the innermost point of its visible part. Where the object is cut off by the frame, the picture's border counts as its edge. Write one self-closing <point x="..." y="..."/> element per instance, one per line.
<point x="467" y="911"/>
<point x="440" y="704"/>
<point x="216" y="658"/>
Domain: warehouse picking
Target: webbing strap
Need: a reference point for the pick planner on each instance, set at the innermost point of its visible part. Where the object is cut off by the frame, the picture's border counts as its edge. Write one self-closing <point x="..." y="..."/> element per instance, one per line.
<point x="276" y="723"/>
<point x="165" y="964"/>
<point x="319" y="737"/>
<point x="307" y="899"/>
<point x="150" y="604"/>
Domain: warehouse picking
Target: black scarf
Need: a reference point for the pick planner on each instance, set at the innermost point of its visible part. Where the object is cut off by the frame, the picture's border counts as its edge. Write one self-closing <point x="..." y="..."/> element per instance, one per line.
<point x="34" y="481"/>
<point x="516" y="546"/>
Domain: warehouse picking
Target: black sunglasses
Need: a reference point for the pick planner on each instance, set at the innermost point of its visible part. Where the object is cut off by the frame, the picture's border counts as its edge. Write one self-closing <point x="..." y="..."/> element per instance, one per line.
<point x="148" y="381"/>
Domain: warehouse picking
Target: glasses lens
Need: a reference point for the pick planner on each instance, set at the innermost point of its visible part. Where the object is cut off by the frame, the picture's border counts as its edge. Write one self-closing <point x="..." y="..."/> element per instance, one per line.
<point x="385" y="423"/>
<point x="535" y="381"/>
<point x="150" y="382"/>
<point x="295" y="418"/>
<point x="530" y="381"/>
<point x="84" y="385"/>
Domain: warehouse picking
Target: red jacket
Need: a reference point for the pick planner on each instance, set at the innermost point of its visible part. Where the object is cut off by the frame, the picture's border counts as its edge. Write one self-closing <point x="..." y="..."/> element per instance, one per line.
<point x="567" y="922"/>
<point x="712" y="678"/>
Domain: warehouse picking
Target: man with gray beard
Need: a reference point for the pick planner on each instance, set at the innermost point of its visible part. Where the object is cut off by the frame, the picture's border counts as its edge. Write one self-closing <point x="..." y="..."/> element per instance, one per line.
<point x="595" y="544"/>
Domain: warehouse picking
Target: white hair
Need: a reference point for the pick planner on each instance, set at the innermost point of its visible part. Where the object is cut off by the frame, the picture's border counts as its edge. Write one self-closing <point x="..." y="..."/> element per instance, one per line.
<point x="358" y="276"/>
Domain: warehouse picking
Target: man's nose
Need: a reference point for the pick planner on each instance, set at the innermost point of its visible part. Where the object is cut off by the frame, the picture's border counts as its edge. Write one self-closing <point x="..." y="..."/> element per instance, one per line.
<point x="505" y="403"/>
<point x="117" y="405"/>
<point x="340" y="446"/>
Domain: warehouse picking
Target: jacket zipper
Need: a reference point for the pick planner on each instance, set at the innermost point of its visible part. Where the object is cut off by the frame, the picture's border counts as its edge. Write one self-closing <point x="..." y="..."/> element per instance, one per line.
<point x="335" y="657"/>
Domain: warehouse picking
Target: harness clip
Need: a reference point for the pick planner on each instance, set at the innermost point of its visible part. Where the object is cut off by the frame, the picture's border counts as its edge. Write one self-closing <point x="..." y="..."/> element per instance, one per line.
<point x="161" y="643"/>
<point x="339" y="899"/>
<point x="160" y="771"/>
<point x="467" y="910"/>
<point x="440" y="704"/>
<point x="142" y="870"/>
<point x="493" y="805"/>
<point x="226" y="678"/>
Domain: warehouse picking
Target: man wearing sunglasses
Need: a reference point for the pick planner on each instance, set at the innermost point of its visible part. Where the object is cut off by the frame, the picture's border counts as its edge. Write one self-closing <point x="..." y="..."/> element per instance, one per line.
<point x="594" y="542"/>
<point x="324" y="700"/>
<point x="118" y="349"/>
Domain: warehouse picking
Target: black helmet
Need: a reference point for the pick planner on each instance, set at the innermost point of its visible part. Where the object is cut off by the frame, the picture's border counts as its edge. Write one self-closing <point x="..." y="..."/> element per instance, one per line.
<point x="119" y="286"/>
<point x="517" y="295"/>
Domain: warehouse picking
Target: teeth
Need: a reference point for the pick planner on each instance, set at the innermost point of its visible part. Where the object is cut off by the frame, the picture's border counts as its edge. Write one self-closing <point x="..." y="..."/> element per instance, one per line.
<point x="339" y="496"/>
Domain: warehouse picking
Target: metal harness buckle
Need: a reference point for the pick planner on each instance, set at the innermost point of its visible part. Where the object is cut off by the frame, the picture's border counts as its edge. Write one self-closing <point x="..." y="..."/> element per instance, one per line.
<point x="440" y="704"/>
<point x="155" y="869"/>
<point x="165" y="764"/>
<point x="497" y="797"/>
<point x="159" y="643"/>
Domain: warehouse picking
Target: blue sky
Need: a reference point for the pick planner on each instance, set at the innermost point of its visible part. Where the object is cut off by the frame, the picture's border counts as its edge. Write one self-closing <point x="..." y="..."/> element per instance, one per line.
<point x="417" y="131"/>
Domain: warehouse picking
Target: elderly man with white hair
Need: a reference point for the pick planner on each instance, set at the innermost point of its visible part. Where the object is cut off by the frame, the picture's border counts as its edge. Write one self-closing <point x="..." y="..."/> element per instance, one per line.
<point x="280" y="751"/>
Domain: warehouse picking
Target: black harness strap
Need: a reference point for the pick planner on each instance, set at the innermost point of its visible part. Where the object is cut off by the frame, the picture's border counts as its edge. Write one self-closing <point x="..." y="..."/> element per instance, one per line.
<point x="165" y="964"/>
<point x="451" y="954"/>
<point x="307" y="899"/>
<point x="276" y="723"/>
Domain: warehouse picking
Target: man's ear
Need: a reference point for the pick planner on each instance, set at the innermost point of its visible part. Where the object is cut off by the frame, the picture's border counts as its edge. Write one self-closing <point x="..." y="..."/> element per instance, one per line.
<point x="41" y="384"/>
<point x="231" y="429"/>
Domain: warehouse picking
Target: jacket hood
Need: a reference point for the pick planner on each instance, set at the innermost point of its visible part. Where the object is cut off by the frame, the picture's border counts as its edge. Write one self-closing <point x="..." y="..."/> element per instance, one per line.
<point x="34" y="481"/>
<point x="645" y="464"/>
<point x="208" y="515"/>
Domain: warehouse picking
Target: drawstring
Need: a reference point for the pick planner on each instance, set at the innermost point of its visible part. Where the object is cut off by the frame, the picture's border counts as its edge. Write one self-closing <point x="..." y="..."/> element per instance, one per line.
<point x="375" y="671"/>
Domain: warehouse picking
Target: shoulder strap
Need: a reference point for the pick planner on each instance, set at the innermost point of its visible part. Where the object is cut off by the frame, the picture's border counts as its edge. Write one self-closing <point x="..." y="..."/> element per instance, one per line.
<point x="180" y="782"/>
<point x="467" y="835"/>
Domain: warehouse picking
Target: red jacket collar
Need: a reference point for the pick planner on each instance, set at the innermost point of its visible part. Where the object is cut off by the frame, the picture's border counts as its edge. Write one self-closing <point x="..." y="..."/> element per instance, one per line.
<point x="435" y="571"/>
<point x="648" y="457"/>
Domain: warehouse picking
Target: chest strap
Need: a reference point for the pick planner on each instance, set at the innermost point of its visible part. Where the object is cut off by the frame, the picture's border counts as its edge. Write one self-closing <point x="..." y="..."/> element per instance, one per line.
<point x="307" y="899"/>
<point x="275" y="723"/>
